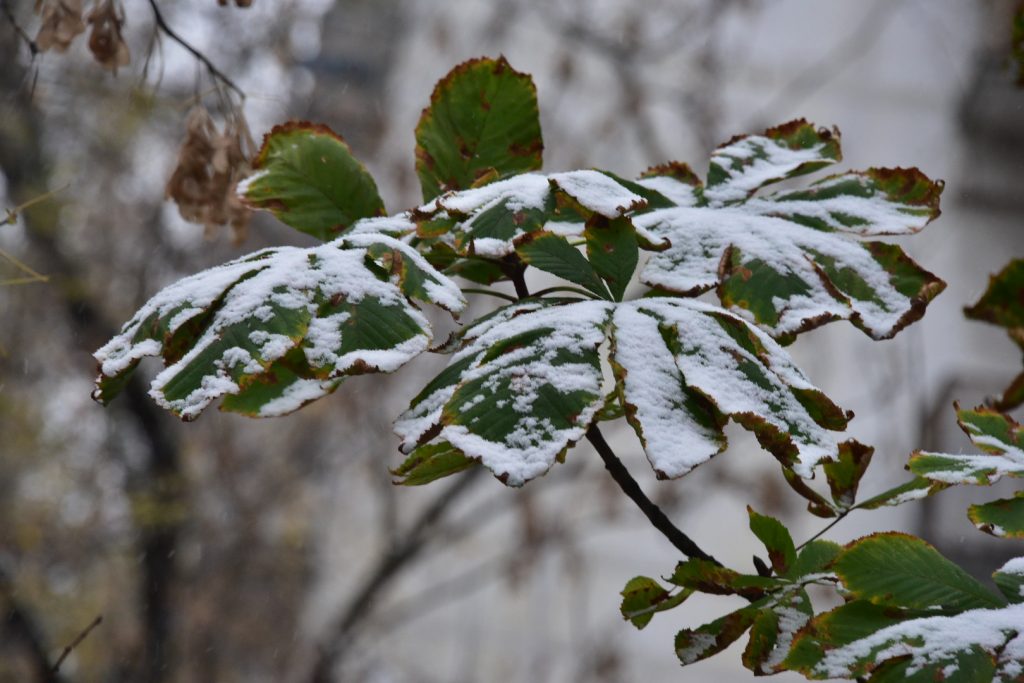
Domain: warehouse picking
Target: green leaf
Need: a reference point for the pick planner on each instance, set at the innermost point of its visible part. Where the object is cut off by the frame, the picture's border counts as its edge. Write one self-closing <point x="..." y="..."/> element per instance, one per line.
<point x="643" y="597"/>
<point x="844" y="474"/>
<point x="612" y="251"/>
<point x="282" y="327"/>
<point x="705" y="576"/>
<point x="307" y="176"/>
<point x="1003" y="518"/>
<point x="676" y="181"/>
<point x="814" y="558"/>
<point x="1003" y="304"/>
<point x="431" y="462"/>
<point x="553" y="254"/>
<point x="900" y="570"/>
<point x="523" y="385"/>
<point x="998" y="435"/>
<point x="693" y="645"/>
<point x="776" y="538"/>
<point x="1010" y="580"/>
<point x="748" y="162"/>
<point x="482" y="122"/>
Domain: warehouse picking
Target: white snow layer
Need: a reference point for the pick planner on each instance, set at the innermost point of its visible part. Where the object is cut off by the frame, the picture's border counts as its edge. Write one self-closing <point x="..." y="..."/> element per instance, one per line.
<point x="933" y="640"/>
<point x="700" y="236"/>
<point x="759" y="160"/>
<point x="287" y="278"/>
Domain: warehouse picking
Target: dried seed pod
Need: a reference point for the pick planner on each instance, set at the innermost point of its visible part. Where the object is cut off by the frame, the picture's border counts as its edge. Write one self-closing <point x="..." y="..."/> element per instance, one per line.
<point x="62" y="23"/>
<point x="105" y="41"/>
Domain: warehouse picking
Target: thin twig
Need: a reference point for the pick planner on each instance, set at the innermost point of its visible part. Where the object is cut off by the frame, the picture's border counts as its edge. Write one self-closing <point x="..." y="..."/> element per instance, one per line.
<point x="161" y="23"/>
<point x="32" y="47"/>
<point x="839" y="518"/>
<point x="76" y="642"/>
<point x="632" y="489"/>
<point x="386" y="569"/>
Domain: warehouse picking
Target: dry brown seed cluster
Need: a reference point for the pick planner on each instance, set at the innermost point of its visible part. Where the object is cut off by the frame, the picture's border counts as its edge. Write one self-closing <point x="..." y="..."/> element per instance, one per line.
<point x="62" y="22"/>
<point x="210" y="165"/>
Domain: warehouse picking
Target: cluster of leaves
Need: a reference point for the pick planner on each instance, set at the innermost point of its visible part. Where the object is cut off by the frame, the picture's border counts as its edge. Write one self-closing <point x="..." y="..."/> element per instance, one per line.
<point x="64" y="20"/>
<point x="277" y="329"/>
<point x="909" y="613"/>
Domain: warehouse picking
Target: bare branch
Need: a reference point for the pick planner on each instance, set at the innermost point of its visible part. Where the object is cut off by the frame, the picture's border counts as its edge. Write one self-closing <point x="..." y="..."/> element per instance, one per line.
<point x="632" y="489"/>
<point x="76" y="642"/>
<point x="161" y="23"/>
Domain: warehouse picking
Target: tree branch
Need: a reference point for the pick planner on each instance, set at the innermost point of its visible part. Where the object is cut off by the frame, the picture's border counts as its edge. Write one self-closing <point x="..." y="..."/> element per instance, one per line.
<point x="19" y="622"/>
<point x="9" y="14"/>
<point x="631" y="488"/>
<point x="386" y="569"/>
<point x="76" y="642"/>
<point x="161" y="24"/>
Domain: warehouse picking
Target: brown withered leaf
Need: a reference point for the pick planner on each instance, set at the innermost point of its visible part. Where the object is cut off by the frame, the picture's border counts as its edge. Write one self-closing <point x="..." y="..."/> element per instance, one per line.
<point x="105" y="41"/>
<point x="62" y="23"/>
<point x="210" y="165"/>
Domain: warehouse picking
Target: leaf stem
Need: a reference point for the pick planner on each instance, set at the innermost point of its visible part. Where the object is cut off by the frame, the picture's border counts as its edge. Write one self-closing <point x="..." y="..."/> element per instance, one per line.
<point x="839" y="518"/>
<point x="574" y="290"/>
<point x="632" y="489"/>
<point x="489" y="292"/>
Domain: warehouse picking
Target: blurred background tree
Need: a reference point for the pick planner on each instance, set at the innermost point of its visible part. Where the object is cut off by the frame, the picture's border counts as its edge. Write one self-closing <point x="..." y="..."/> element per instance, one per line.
<point x="231" y="549"/>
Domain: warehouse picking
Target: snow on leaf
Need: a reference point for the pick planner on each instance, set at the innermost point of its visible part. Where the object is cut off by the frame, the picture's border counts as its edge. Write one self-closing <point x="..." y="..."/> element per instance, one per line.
<point x="1010" y="579"/>
<point x="748" y="162"/>
<point x="510" y="399"/>
<point x="879" y="201"/>
<point x="523" y="386"/>
<point x="985" y="644"/>
<point x="998" y="435"/>
<point x="786" y="276"/>
<point x="1003" y="517"/>
<point x="281" y="327"/>
<point x="736" y="368"/>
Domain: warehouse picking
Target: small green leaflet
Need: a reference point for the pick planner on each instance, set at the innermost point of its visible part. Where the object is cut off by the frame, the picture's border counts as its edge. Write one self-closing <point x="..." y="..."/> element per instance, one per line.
<point x="1003" y="517"/>
<point x="307" y="176"/>
<point x="643" y="597"/>
<point x="1010" y="580"/>
<point x="281" y="327"/>
<point x="482" y="124"/>
<point x="525" y="383"/>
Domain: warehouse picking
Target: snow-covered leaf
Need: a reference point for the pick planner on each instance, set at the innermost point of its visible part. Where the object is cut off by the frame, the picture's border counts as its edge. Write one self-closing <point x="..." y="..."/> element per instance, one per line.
<point x="773" y="631"/>
<point x="525" y="383"/>
<point x="482" y="123"/>
<point x="747" y="163"/>
<point x="787" y="276"/>
<point x="694" y="645"/>
<point x="998" y="435"/>
<point x="1003" y="517"/>
<point x="523" y="386"/>
<point x="307" y="176"/>
<point x="281" y="327"/>
<point x="861" y="639"/>
<point x="682" y="365"/>
<point x="1010" y="579"/>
